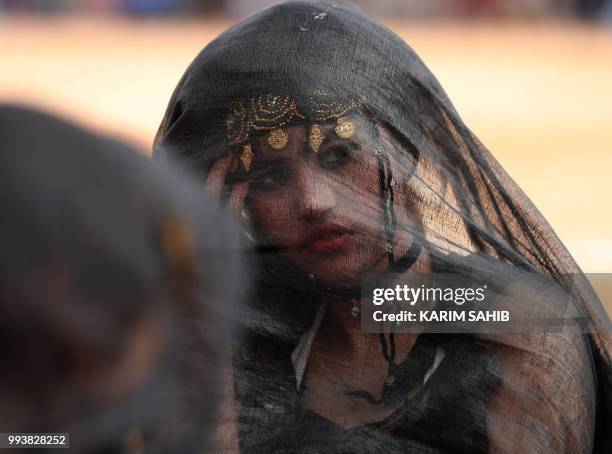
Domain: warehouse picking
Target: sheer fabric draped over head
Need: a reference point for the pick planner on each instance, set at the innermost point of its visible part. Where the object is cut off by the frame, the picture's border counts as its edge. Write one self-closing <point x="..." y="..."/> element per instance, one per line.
<point x="305" y="55"/>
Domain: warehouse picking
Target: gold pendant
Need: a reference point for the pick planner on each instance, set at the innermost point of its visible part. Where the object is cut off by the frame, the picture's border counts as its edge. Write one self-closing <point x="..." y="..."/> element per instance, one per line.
<point x="345" y="128"/>
<point x="316" y="138"/>
<point x="278" y="139"/>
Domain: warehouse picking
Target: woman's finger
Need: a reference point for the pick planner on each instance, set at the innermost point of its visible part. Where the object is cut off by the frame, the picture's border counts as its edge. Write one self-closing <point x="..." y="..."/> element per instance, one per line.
<point x="216" y="177"/>
<point x="235" y="202"/>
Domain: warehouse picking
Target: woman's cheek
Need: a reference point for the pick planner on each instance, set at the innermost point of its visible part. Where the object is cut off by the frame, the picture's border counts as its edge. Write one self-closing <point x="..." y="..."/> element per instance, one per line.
<point x="360" y="194"/>
<point x="275" y="219"/>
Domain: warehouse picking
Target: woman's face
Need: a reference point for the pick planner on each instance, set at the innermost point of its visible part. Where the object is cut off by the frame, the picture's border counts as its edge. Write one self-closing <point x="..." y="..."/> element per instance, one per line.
<point x="323" y="209"/>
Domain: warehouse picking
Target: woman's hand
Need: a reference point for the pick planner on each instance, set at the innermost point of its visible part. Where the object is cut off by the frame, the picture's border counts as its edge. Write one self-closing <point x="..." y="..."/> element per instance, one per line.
<point x="225" y="435"/>
<point x="215" y="181"/>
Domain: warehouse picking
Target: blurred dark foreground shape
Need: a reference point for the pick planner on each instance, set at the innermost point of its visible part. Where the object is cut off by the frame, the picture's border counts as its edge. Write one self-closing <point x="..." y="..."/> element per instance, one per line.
<point x="117" y="283"/>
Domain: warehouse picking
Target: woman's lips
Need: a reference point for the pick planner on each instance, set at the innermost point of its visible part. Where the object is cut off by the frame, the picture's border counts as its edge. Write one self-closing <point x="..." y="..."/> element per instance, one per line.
<point x="327" y="239"/>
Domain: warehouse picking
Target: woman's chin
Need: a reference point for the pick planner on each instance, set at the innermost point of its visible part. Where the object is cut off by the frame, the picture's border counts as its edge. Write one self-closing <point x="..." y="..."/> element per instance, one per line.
<point x="336" y="271"/>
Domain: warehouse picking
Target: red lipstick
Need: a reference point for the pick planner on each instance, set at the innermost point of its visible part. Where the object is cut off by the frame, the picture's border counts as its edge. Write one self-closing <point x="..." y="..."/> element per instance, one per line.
<point x="328" y="238"/>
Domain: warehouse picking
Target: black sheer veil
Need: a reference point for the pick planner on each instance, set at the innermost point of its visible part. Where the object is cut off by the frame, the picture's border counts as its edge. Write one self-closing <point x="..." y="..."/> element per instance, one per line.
<point x="322" y="53"/>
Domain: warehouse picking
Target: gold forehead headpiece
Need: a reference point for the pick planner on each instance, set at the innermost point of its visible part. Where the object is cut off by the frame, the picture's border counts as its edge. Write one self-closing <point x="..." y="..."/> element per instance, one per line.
<point x="270" y="114"/>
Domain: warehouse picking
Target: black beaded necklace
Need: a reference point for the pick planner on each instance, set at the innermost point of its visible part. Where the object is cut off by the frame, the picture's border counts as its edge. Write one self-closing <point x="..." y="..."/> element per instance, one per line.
<point x="397" y="380"/>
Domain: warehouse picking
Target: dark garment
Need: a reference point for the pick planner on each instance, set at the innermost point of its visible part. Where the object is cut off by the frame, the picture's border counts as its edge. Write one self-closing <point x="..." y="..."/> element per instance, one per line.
<point x="273" y="420"/>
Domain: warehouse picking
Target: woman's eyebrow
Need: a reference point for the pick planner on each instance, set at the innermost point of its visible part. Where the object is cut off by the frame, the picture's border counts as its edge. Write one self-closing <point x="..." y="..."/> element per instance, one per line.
<point x="262" y="162"/>
<point x="334" y="140"/>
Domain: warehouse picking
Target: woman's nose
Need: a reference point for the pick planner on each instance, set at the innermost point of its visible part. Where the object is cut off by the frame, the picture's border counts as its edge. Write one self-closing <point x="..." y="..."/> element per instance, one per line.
<point x="315" y="196"/>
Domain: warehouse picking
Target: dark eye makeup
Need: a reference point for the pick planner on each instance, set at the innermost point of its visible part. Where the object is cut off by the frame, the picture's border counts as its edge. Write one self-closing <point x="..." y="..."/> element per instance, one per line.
<point x="337" y="154"/>
<point x="272" y="176"/>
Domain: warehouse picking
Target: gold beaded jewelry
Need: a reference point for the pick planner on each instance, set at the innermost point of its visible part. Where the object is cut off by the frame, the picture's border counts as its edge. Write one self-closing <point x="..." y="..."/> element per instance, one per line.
<point x="272" y="113"/>
<point x="345" y="128"/>
<point x="278" y="138"/>
<point x="324" y="107"/>
<point x="316" y="138"/>
<point x="237" y="124"/>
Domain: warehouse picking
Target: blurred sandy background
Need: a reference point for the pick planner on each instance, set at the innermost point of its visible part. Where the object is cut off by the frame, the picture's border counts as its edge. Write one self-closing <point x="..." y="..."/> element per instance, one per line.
<point x="536" y="91"/>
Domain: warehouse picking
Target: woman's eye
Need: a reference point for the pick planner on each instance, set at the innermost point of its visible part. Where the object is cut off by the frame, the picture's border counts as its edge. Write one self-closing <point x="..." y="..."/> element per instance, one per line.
<point x="336" y="155"/>
<point x="270" y="179"/>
